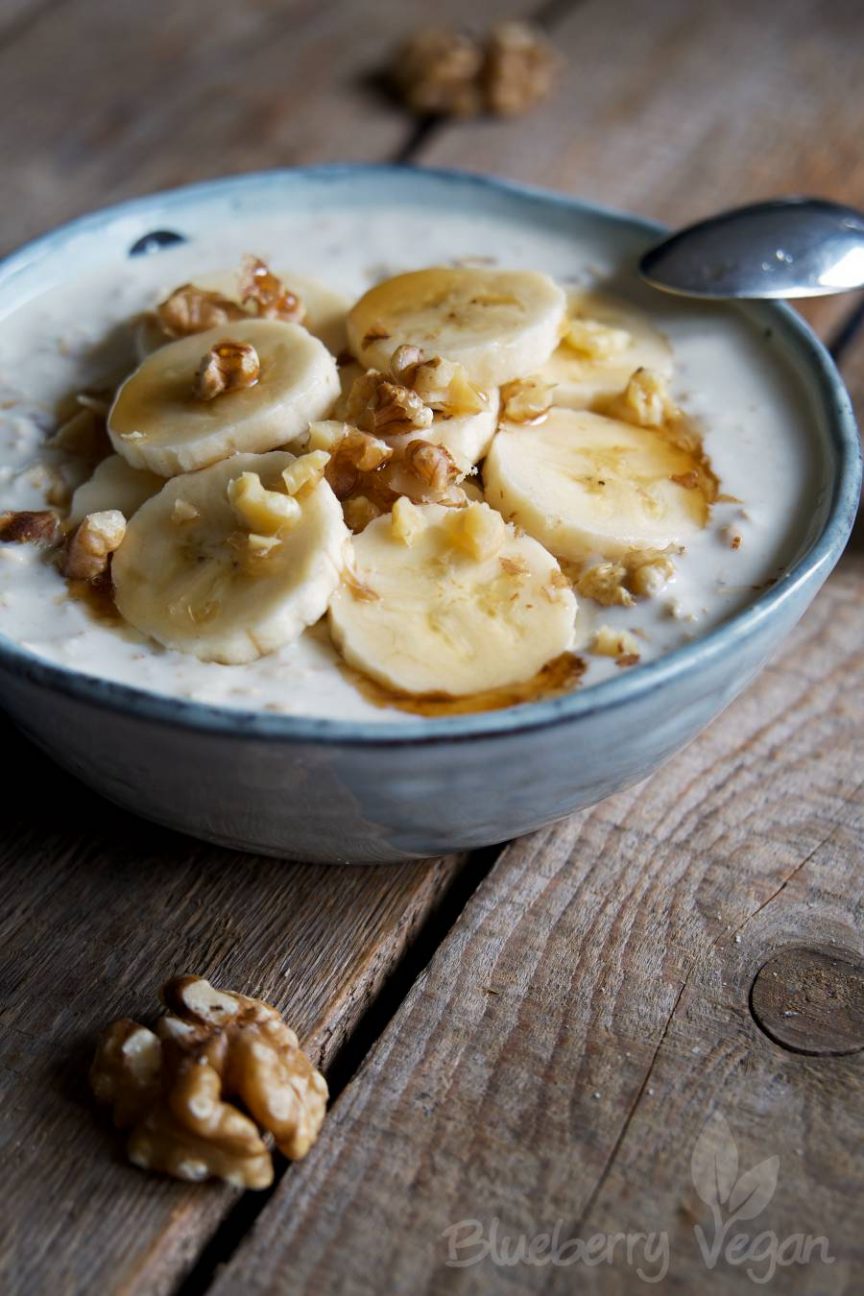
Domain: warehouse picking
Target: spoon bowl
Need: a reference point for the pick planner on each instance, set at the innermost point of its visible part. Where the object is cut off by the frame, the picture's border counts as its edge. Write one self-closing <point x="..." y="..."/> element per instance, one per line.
<point x="787" y="247"/>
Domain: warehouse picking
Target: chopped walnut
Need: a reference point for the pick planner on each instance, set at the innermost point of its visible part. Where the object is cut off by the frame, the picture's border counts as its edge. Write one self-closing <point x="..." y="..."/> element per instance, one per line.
<point x="398" y="410"/>
<point x="368" y="475"/>
<point x="359" y="511"/>
<point x="519" y="69"/>
<point x="173" y="1087"/>
<point x="423" y="471"/>
<point x="437" y="71"/>
<point x="28" y="526"/>
<point x="526" y="400"/>
<point x="441" y="384"/>
<point x="650" y="577"/>
<point x="645" y="401"/>
<point x="259" y="510"/>
<point x="251" y="550"/>
<point x="194" y="310"/>
<point x="594" y="340"/>
<point x="228" y="366"/>
<point x="260" y="546"/>
<point x="406" y="521"/>
<point x="517" y="567"/>
<point x="325" y="434"/>
<point x="477" y="530"/>
<point x="556" y="583"/>
<point x="376" y="404"/>
<point x="92" y="544"/>
<point x="305" y="472"/>
<point x="404" y="362"/>
<point x="183" y="511"/>
<point x="639" y="573"/>
<point x="614" y="643"/>
<point x="605" y="583"/>
<point x="352" y="459"/>
<point x="266" y="294"/>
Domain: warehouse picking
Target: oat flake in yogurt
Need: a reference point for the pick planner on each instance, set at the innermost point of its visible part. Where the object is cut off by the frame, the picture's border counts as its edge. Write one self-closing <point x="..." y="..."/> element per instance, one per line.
<point x="413" y="478"/>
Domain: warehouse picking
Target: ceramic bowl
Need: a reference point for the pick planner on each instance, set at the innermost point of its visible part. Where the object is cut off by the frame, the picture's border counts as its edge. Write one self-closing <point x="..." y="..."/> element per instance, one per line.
<point x="349" y="791"/>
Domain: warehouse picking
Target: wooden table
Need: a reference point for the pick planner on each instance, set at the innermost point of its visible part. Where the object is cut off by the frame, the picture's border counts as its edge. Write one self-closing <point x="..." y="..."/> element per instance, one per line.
<point x="535" y="1034"/>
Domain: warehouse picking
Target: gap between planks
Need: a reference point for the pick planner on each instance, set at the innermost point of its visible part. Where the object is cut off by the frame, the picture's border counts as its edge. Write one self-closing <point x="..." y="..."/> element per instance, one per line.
<point x="21" y="16"/>
<point x="240" y="1219"/>
<point x="846" y="332"/>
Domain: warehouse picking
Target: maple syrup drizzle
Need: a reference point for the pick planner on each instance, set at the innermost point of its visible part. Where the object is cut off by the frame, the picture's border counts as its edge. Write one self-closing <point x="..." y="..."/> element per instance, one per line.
<point x="558" y="676"/>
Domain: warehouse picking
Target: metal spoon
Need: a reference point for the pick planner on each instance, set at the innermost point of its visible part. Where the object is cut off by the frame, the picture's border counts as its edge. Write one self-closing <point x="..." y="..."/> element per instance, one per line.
<point x="787" y="247"/>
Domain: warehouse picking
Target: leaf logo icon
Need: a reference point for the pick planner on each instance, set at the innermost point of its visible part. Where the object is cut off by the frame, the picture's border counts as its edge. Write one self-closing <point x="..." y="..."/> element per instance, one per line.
<point x="714" y="1164"/>
<point x="731" y="1199"/>
<point x="754" y="1190"/>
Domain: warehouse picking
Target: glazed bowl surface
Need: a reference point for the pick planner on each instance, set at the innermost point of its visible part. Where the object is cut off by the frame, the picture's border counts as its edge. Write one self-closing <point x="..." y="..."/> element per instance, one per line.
<point x="358" y="791"/>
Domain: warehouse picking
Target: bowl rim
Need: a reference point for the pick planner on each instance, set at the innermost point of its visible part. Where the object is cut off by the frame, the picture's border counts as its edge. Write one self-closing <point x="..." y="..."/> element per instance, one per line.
<point x="812" y="566"/>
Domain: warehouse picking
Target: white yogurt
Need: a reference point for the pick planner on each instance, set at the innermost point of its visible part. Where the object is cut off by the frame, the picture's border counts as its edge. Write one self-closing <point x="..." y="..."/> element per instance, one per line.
<point x="748" y="406"/>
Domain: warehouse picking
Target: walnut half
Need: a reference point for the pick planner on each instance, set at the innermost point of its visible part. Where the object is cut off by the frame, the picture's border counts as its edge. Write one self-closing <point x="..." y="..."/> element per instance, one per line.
<point x="172" y="1088"/>
<point x="190" y="309"/>
<point x="440" y="71"/>
<point x="227" y="366"/>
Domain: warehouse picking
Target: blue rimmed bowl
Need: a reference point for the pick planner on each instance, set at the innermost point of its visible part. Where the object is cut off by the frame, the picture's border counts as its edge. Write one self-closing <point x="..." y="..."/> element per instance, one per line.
<point x="352" y="791"/>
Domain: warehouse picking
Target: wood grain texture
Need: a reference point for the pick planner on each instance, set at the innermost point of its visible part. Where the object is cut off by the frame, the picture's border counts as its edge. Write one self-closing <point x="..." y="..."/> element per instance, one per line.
<point x="590" y="1012"/>
<point x="678" y="110"/>
<point x="17" y="15"/>
<point x="104" y="99"/>
<point x="99" y="909"/>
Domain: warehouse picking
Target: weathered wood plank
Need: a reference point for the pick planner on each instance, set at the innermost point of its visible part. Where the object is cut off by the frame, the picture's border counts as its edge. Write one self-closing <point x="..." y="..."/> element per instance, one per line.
<point x="17" y="15"/>
<point x="105" y="99"/>
<point x="589" y="1013"/>
<point x="99" y="910"/>
<point x="680" y="110"/>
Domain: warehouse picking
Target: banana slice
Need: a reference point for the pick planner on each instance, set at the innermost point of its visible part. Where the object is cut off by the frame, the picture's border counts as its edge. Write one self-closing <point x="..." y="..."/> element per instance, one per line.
<point x="227" y="581"/>
<point x="157" y="423"/>
<point x="325" y="309"/>
<point x="585" y="485"/>
<point x="499" y="324"/>
<point x="114" y="485"/>
<point x="604" y="341"/>
<point x="450" y="601"/>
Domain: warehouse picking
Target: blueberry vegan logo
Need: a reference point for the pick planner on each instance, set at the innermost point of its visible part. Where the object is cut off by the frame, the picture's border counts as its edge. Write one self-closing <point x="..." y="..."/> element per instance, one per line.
<point x="737" y="1199"/>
